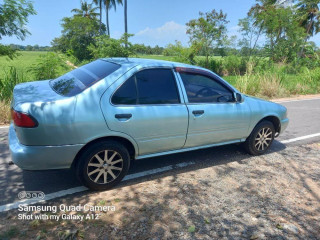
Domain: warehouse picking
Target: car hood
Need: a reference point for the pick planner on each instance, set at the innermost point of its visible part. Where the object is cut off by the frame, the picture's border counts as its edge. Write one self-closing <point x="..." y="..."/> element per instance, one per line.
<point x="38" y="91"/>
<point x="267" y="106"/>
<point x="256" y="99"/>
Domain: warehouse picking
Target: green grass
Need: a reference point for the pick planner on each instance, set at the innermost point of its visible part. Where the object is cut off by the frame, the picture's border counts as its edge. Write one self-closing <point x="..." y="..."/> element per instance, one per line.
<point x="21" y="63"/>
<point x="231" y="79"/>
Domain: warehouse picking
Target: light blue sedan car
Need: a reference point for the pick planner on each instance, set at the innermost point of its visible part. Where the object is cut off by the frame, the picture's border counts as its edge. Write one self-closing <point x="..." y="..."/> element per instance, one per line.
<point x="98" y="117"/>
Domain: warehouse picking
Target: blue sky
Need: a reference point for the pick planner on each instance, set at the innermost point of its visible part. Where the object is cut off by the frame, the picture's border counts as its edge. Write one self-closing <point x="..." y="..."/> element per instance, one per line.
<point x="153" y="22"/>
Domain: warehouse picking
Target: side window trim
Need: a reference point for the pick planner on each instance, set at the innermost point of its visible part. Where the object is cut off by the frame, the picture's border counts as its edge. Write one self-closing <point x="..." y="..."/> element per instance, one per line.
<point x="204" y="74"/>
<point x="178" y="88"/>
<point x="136" y="87"/>
<point x="181" y="87"/>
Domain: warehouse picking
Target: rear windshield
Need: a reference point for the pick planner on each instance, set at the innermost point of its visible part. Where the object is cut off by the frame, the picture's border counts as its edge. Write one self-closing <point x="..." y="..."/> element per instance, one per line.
<point x="76" y="81"/>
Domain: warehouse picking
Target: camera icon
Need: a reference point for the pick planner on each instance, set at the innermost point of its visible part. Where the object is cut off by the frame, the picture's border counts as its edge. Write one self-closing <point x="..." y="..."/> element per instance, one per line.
<point x="31" y="195"/>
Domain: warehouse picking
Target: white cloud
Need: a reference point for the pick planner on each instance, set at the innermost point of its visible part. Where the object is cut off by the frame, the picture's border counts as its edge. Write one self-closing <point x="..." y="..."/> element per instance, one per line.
<point x="167" y="33"/>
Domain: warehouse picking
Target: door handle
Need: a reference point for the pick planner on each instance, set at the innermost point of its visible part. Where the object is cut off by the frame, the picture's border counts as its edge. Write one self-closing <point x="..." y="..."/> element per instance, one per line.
<point x="123" y="116"/>
<point x="198" y="112"/>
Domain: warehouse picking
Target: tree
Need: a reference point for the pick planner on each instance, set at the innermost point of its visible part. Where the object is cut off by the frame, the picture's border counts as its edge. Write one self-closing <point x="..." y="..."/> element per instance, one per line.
<point x="77" y="34"/>
<point x="104" y="46"/>
<point x="279" y="24"/>
<point x="13" y="19"/>
<point x="140" y="48"/>
<point x="180" y="53"/>
<point x="309" y="16"/>
<point x="250" y="35"/>
<point x="109" y="4"/>
<point x="99" y="3"/>
<point x="208" y="31"/>
<point x="86" y="10"/>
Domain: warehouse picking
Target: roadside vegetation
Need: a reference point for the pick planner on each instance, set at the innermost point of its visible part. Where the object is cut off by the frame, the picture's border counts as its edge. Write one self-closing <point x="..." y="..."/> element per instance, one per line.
<point x="274" y="56"/>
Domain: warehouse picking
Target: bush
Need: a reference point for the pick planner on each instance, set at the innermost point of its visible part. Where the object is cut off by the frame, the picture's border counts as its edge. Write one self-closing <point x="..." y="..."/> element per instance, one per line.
<point x="49" y="66"/>
<point x="105" y="46"/>
<point x="214" y="64"/>
<point x="11" y="78"/>
<point x="234" y="65"/>
<point x="180" y="53"/>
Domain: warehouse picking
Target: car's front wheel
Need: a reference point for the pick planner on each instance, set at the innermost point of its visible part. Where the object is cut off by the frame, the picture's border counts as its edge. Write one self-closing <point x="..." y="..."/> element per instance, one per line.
<point x="103" y="165"/>
<point x="260" y="138"/>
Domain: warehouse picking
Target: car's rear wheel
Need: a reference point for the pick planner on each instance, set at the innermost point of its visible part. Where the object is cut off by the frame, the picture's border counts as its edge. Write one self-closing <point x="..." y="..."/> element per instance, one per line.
<point x="260" y="138"/>
<point x="103" y="165"/>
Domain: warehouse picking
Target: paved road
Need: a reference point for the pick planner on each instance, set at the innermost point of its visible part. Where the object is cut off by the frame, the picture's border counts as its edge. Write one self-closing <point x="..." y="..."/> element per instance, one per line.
<point x="304" y="120"/>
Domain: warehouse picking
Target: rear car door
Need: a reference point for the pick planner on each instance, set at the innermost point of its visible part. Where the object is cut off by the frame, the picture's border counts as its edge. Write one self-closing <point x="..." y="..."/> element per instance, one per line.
<point x="147" y="106"/>
<point x="215" y="116"/>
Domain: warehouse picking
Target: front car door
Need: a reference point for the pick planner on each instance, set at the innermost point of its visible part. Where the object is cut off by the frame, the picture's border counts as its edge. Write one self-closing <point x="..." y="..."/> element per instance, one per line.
<point x="214" y="115"/>
<point x="147" y="106"/>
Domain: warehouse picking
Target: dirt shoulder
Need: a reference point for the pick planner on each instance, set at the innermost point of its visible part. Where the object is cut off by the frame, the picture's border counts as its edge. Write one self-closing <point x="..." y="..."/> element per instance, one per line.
<point x="276" y="196"/>
<point x="297" y="97"/>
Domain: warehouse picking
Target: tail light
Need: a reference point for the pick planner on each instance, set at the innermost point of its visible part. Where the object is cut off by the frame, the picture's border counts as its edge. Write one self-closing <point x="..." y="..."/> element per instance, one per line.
<point x="23" y="120"/>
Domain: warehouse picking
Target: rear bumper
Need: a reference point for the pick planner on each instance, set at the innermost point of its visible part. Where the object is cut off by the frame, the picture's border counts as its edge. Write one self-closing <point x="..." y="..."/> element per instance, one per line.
<point x="41" y="157"/>
<point x="284" y="124"/>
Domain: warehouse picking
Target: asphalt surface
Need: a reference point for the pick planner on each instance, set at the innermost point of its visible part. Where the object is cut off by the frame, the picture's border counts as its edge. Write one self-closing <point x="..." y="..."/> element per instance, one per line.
<point x="304" y="120"/>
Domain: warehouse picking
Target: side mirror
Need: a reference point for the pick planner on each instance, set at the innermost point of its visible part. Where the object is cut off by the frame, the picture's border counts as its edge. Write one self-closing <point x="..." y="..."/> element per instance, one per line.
<point x="238" y="97"/>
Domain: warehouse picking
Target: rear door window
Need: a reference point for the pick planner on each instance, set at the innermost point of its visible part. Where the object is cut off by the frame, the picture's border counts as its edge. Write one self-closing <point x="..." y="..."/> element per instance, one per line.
<point x="157" y="86"/>
<point x="150" y="86"/>
<point x="76" y="81"/>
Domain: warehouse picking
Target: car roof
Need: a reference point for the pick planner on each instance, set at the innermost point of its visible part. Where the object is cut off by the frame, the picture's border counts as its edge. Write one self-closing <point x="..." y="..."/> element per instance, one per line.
<point x="150" y="62"/>
<point x="132" y="62"/>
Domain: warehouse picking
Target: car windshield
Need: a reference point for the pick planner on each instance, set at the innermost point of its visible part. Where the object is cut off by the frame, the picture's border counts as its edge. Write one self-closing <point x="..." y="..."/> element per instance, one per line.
<point x="76" y="81"/>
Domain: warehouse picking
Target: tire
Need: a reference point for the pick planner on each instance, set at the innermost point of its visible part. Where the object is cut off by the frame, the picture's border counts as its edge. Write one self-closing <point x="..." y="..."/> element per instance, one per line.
<point x="260" y="138"/>
<point x="99" y="171"/>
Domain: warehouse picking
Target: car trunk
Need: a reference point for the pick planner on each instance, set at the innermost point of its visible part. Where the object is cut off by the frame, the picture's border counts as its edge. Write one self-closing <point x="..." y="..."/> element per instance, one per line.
<point x="31" y="92"/>
<point x="38" y="103"/>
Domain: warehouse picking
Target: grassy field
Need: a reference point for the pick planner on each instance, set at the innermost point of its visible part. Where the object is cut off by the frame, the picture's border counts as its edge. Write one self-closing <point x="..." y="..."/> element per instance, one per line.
<point x="302" y="83"/>
<point x="269" y="82"/>
<point x="21" y="63"/>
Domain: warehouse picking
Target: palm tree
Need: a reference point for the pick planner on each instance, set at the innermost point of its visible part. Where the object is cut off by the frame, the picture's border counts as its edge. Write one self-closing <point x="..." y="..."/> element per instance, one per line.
<point x="309" y="16"/>
<point x="99" y="3"/>
<point x="108" y="5"/>
<point x="86" y="10"/>
<point x="126" y="22"/>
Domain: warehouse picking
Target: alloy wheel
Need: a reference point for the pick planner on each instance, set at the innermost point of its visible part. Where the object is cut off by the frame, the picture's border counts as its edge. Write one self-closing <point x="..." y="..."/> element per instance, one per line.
<point x="263" y="139"/>
<point x="105" y="166"/>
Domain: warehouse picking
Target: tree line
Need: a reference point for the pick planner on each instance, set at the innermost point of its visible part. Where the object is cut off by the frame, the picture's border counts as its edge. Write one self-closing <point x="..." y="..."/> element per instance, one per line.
<point x="277" y="29"/>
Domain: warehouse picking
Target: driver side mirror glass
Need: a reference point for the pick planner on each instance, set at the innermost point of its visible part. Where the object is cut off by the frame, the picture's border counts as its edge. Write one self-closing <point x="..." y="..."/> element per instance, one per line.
<point x="239" y="97"/>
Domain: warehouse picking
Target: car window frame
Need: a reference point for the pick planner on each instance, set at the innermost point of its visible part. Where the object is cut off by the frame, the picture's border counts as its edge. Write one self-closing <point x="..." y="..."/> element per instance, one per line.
<point x="178" y="88"/>
<point x="206" y="74"/>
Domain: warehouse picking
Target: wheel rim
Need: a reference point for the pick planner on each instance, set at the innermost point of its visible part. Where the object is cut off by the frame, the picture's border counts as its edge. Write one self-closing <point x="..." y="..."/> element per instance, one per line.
<point x="263" y="139"/>
<point x="105" y="166"/>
